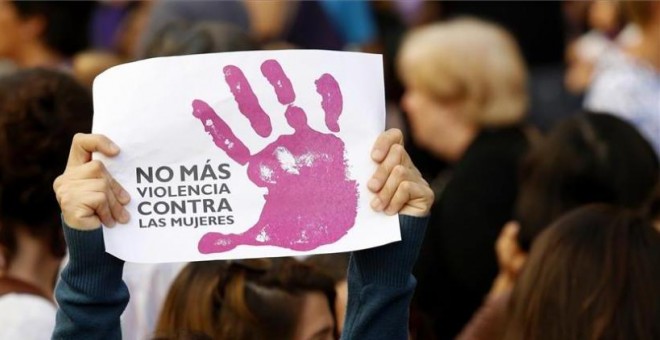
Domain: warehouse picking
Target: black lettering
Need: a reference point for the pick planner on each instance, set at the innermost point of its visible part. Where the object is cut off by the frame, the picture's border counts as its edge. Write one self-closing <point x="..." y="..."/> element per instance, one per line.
<point x="168" y="174"/>
<point x="141" y="209"/>
<point x="187" y="172"/>
<point x="223" y="171"/>
<point x="149" y="176"/>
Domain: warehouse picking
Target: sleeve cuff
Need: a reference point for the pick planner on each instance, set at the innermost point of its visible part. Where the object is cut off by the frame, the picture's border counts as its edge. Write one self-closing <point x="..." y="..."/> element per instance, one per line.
<point x="87" y="255"/>
<point x="392" y="264"/>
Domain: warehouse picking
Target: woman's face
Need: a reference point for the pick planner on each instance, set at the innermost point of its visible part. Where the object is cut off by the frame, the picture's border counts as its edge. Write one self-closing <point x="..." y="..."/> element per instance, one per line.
<point x="433" y="124"/>
<point x="316" y="321"/>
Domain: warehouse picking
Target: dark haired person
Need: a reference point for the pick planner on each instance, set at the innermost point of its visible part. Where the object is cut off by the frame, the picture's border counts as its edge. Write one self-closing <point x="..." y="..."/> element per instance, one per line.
<point x="587" y="158"/>
<point x="43" y="33"/>
<point x="335" y="266"/>
<point x="40" y="111"/>
<point x="593" y="274"/>
<point x="92" y="296"/>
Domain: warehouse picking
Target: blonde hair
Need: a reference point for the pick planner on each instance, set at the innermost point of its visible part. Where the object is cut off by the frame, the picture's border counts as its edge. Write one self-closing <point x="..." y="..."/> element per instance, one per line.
<point x="471" y="63"/>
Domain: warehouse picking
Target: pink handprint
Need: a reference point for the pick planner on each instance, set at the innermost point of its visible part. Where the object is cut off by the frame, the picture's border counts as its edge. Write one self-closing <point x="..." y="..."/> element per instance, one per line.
<point x="310" y="200"/>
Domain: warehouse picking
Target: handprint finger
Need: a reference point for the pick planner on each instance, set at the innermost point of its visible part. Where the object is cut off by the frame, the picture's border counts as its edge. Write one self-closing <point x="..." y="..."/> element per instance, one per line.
<point x="296" y="117"/>
<point x="272" y="70"/>
<point x="220" y="132"/>
<point x="332" y="101"/>
<point x="247" y="101"/>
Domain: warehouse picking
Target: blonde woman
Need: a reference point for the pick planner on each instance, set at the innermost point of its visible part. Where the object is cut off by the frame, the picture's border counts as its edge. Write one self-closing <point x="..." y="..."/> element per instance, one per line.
<point x="465" y="99"/>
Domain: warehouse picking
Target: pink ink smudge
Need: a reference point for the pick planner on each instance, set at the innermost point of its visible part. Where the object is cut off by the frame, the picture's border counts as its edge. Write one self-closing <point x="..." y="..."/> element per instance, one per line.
<point x="310" y="200"/>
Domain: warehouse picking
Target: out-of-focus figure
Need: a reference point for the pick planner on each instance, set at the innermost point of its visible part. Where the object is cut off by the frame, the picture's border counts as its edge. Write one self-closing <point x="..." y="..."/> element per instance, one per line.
<point x="605" y="19"/>
<point x="249" y="299"/>
<point x="43" y="33"/>
<point x="41" y="111"/>
<point x="627" y="81"/>
<point x="594" y="274"/>
<point x="466" y="98"/>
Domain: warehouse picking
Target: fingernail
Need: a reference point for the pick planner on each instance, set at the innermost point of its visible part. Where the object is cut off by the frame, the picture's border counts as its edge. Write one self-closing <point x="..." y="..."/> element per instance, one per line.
<point x="376" y="204"/>
<point x="113" y="147"/>
<point x="125" y="196"/>
<point x="125" y="216"/>
<point x="377" y="155"/>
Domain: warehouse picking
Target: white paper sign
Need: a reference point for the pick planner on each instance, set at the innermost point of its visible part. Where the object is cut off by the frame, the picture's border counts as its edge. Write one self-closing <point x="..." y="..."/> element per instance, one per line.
<point x="244" y="154"/>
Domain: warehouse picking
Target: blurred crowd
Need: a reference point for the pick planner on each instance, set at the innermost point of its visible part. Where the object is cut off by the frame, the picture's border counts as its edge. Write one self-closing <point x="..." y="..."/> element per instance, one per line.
<point x="536" y="124"/>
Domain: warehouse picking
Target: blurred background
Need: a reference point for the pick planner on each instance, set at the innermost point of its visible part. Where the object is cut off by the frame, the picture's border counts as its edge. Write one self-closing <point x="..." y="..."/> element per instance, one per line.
<point x="490" y="95"/>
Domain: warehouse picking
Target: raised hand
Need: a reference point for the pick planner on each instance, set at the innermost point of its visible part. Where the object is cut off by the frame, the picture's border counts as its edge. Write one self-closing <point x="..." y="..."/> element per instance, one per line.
<point x="310" y="200"/>
<point x="398" y="185"/>
<point x="86" y="192"/>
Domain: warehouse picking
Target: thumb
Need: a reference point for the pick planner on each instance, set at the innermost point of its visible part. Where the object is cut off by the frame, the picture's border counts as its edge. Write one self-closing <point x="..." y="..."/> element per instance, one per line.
<point x="84" y="145"/>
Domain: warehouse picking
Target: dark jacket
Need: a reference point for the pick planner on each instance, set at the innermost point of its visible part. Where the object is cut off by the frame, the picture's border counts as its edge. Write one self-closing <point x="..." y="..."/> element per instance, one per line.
<point x="457" y="264"/>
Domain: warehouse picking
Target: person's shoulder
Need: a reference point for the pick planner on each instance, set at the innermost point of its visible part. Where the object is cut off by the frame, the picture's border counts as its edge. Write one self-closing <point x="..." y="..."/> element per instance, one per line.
<point x="26" y="316"/>
<point x="497" y="144"/>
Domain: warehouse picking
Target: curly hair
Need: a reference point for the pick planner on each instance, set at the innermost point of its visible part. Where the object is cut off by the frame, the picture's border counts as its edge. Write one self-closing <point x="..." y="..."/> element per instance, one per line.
<point x="40" y="111"/>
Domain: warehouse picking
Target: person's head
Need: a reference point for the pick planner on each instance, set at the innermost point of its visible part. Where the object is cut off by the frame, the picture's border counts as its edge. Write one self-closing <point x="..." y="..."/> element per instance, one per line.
<point x="183" y="38"/>
<point x="249" y="299"/>
<point x="593" y="274"/>
<point x="459" y="75"/>
<point x="586" y="158"/>
<point x="40" y="111"/>
<point x="336" y="266"/>
<point x="56" y="27"/>
<point x="605" y="16"/>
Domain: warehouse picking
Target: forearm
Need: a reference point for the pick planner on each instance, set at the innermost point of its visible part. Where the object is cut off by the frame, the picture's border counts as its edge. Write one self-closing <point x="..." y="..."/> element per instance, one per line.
<point x="381" y="285"/>
<point x="91" y="294"/>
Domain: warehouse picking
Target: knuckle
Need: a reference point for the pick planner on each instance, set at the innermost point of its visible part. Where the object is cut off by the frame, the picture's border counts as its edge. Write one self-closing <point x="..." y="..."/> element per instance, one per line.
<point x="396" y="134"/>
<point x="77" y="137"/>
<point x="57" y="183"/>
<point x="399" y="171"/>
<point x="96" y="166"/>
<point x="397" y="150"/>
<point x="65" y="201"/>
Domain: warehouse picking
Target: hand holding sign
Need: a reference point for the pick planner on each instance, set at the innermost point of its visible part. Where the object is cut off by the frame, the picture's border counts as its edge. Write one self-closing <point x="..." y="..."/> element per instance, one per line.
<point x="86" y="192"/>
<point x="269" y="172"/>
<point x="310" y="200"/>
